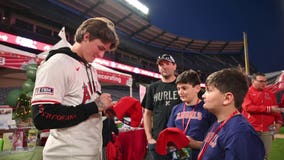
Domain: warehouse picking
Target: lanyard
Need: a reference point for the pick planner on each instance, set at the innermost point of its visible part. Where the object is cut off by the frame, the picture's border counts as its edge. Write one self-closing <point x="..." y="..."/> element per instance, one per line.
<point x="205" y="146"/>
<point x="190" y="116"/>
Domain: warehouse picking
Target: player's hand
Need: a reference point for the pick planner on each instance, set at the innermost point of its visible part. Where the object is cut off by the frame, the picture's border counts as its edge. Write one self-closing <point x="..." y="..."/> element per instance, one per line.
<point x="104" y="101"/>
<point x="113" y="103"/>
<point x="151" y="141"/>
<point x="275" y="109"/>
<point x="195" y="144"/>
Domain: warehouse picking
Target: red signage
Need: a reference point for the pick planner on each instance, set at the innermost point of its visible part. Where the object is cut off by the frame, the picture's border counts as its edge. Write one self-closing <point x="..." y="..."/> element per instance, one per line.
<point x="25" y="42"/>
<point x="126" y="68"/>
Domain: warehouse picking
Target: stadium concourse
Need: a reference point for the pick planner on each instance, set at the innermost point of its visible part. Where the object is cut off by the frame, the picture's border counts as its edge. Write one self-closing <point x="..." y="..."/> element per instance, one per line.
<point x="37" y="21"/>
<point x="141" y="42"/>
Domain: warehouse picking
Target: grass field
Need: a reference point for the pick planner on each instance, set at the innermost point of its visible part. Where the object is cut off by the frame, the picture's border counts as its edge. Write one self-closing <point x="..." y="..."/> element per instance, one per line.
<point x="277" y="152"/>
<point x="281" y="130"/>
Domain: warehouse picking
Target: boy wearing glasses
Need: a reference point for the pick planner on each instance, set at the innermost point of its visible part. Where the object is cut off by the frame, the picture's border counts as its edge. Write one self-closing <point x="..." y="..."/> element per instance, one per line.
<point x="261" y="109"/>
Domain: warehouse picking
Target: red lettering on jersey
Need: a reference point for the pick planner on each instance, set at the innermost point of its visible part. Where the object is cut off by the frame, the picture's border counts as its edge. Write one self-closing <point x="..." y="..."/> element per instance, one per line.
<point x="86" y="94"/>
<point x="213" y="142"/>
<point x="41" y="109"/>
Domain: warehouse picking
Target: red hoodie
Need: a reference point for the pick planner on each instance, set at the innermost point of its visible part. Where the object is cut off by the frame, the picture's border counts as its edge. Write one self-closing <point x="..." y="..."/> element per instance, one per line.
<point x="257" y="109"/>
<point x="281" y="104"/>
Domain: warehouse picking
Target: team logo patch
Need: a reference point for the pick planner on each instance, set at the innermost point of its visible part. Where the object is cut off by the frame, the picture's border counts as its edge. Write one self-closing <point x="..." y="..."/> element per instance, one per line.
<point x="44" y="90"/>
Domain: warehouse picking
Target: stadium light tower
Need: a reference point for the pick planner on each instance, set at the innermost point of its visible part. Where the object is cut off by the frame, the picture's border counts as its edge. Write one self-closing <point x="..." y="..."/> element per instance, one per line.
<point x="138" y="5"/>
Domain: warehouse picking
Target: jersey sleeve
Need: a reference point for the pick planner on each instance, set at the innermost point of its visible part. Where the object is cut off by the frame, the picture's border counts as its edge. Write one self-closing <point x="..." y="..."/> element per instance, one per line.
<point x="51" y="116"/>
<point x="50" y="83"/>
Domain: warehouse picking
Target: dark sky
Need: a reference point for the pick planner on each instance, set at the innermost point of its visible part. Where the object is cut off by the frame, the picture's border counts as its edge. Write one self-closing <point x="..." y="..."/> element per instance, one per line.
<point x="226" y="20"/>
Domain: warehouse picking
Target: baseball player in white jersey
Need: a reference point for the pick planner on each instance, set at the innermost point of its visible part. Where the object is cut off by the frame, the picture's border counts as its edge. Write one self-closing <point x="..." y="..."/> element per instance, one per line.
<point x="67" y="97"/>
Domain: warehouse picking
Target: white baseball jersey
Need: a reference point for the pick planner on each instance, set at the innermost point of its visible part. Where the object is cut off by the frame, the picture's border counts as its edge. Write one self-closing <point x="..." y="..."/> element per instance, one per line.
<point x="64" y="80"/>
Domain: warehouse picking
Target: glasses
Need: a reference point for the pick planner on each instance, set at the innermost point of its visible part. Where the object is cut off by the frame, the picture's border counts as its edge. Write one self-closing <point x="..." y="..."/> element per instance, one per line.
<point x="261" y="81"/>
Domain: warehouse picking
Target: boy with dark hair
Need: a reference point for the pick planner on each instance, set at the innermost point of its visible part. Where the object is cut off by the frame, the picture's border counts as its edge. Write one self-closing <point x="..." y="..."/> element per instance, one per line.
<point x="190" y="116"/>
<point x="232" y="136"/>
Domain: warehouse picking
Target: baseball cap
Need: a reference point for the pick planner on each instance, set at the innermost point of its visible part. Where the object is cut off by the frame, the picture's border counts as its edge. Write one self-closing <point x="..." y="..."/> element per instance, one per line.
<point x="171" y="135"/>
<point x="166" y="57"/>
<point x="129" y="106"/>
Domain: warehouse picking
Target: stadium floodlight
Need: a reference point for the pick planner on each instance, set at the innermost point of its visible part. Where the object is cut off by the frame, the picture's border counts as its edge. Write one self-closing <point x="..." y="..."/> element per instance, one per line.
<point x="138" y="5"/>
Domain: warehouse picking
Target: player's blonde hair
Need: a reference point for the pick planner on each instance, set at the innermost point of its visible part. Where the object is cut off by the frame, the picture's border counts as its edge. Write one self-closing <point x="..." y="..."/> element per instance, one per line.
<point x="99" y="28"/>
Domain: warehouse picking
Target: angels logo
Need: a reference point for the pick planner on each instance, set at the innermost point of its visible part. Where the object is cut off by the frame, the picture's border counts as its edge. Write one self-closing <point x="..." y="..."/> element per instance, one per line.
<point x="189" y="115"/>
<point x="214" y="141"/>
<point x="86" y="95"/>
<point x="211" y="138"/>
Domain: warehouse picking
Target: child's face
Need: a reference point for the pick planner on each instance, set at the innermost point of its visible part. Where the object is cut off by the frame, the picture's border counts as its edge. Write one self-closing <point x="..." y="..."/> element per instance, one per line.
<point x="187" y="92"/>
<point x="213" y="99"/>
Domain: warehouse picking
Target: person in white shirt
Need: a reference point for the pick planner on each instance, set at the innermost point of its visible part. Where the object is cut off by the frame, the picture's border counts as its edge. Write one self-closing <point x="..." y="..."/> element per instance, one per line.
<point x="67" y="96"/>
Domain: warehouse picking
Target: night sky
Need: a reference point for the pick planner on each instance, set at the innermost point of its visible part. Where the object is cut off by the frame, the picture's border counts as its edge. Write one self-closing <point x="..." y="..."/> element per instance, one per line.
<point x="226" y="20"/>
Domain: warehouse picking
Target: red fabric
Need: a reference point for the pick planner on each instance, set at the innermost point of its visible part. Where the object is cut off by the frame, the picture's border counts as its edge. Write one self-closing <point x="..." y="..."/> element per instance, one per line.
<point x="256" y="108"/>
<point x="133" y="144"/>
<point x="173" y="135"/>
<point x="114" y="150"/>
<point x="129" y="106"/>
<point x="278" y="85"/>
<point x="281" y="81"/>
<point x="43" y="136"/>
<point x="281" y="104"/>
